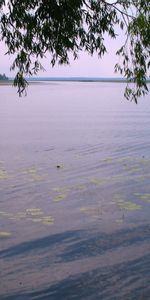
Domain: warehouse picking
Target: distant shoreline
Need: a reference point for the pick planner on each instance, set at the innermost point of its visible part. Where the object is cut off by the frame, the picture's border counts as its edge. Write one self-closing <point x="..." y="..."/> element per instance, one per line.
<point x="79" y="79"/>
<point x="6" y="82"/>
<point x="76" y="79"/>
<point x="47" y="80"/>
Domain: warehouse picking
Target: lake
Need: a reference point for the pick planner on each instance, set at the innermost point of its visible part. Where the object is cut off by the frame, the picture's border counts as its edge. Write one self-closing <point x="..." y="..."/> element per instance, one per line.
<point x="74" y="193"/>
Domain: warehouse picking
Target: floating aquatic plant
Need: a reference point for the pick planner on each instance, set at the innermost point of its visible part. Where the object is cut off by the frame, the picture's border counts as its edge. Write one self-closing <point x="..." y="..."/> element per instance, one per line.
<point x="60" y="189"/>
<point x="128" y="205"/>
<point x="59" y="198"/>
<point x="107" y="159"/>
<point x="36" y="220"/>
<point x="90" y="210"/>
<point x="31" y="214"/>
<point x="5" y="214"/>
<point x="33" y="209"/>
<point x="141" y="178"/>
<point x="145" y="196"/>
<point x="98" y="181"/>
<point x="34" y="174"/>
<point x="125" y="204"/>
<point x="47" y="220"/>
<point x="5" y="234"/>
<point x="119" y="221"/>
<point x="81" y="187"/>
<point x="3" y="174"/>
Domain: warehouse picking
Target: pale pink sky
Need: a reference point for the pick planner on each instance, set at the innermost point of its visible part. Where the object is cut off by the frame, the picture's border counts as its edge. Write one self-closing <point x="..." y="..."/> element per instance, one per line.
<point x="85" y="66"/>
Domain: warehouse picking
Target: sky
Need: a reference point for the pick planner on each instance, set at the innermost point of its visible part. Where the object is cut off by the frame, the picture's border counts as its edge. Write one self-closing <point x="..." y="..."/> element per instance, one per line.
<point x="85" y="66"/>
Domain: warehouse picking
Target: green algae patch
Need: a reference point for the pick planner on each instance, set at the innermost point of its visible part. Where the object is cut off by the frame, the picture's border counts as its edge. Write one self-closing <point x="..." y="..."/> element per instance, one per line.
<point x="31" y="170"/>
<point x="35" y="215"/>
<point x="89" y="210"/>
<point x="44" y="221"/>
<point x="98" y="181"/>
<point x="30" y="210"/>
<point x="57" y="189"/>
<point x="61" y="189"/>
<point x="15" y="218"/>
<point x="36" y="220"/>
<point x="107" y="159"/>
<point x="145" y="196"/>
<point x="3" y="174"/>
<point x="119" y="200"/>
<point x="132" y="170"/>
<point x="2" y="212"/>
<point x="47" y="217"/>
<point x="5" y="234"/>
<point x="21" y="215"/>
<point x="81" y="187"/>
<point x="37" y="177"/>
<point x="128" y="205"/>
<point x="141" y="178"/>
<point x="119" y="221"/>
<point x="59" y="198"/>
<point x="5" y="214"/>
<point x="137" y="194"/>
<point x="48" y="222"/>
<point x="34" y="175"/>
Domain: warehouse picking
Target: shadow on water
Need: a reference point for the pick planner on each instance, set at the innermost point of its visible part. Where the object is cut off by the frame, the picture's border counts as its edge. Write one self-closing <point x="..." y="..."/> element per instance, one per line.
<point x="100" y="244"/>
<point x="80" y="244"/>
<point x="26" y="248"/>
<point x="127" y="280"/>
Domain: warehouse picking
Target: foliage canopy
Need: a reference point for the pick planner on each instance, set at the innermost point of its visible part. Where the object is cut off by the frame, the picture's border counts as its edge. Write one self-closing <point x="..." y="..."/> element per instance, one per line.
<point x="31" y="28"/>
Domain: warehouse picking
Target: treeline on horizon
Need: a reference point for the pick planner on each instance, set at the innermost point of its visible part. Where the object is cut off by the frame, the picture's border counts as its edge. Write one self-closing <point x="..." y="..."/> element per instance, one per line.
<point x="3" y="77"/>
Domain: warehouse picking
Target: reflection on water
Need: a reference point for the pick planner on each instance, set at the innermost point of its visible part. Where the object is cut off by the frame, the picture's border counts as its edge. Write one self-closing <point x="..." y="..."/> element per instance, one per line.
<point x="75" y="195"/>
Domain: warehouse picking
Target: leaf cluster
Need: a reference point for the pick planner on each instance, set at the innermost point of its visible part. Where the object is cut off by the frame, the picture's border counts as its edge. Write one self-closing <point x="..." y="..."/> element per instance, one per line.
<point x="33" y="28"/>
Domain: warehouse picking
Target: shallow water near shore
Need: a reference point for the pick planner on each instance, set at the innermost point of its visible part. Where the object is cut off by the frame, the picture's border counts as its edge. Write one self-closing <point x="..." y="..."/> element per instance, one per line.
<point x="74" y="193"/>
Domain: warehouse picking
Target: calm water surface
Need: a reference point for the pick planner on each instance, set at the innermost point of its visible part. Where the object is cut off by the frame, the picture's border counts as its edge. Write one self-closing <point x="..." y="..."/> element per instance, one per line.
<point x="74" y="193"/>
